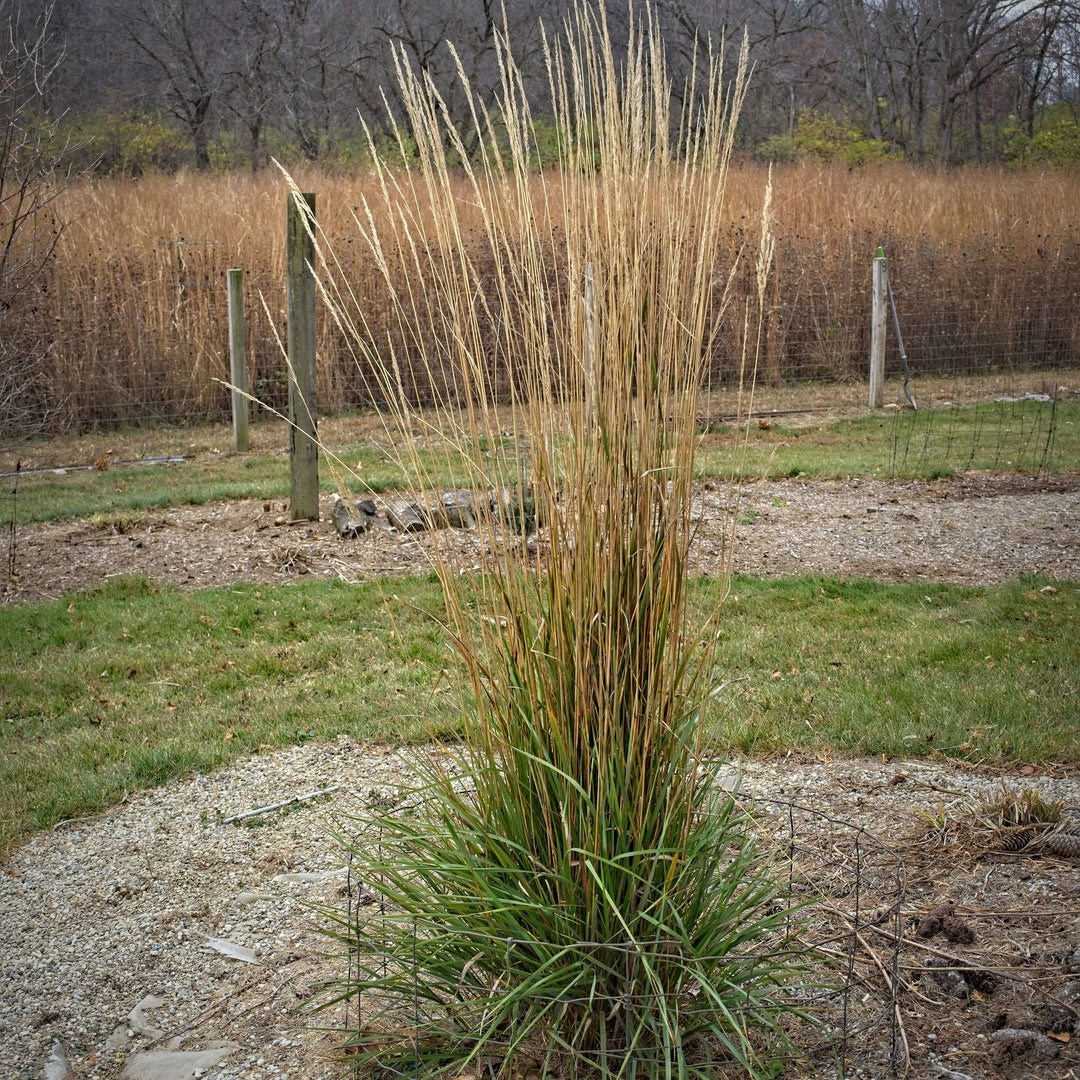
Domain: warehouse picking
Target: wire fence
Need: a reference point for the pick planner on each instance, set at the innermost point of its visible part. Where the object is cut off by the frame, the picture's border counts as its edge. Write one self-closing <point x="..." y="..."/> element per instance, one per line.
<point x="163" y="359"/>
<point x="839" y="880"/>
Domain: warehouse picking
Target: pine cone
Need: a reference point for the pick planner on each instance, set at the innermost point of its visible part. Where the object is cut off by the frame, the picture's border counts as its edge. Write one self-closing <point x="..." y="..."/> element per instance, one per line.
<point x="1014" y="839"/>
<point x="1064" y="844"/>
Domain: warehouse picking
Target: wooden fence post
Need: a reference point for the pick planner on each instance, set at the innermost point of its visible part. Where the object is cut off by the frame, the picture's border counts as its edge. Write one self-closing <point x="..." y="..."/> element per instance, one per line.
<point x="303" y="409"/>
<point x="241" y="405"/>
<point x="879" y="316"/>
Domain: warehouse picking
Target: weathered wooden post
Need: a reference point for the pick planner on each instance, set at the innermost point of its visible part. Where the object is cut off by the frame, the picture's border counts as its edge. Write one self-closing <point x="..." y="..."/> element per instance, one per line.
<point x="241" y="406"/>
<point x="879" y="317"/>
<point x="303" y="410"/>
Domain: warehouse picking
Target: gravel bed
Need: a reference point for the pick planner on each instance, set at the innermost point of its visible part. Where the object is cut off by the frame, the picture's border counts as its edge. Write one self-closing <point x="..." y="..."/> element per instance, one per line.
<point x="970" y="530"/>
<point x="100" y="915"/>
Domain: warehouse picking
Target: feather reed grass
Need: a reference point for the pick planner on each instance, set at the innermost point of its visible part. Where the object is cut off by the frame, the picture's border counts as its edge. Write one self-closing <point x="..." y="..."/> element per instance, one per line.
<point x="582" y="891"/>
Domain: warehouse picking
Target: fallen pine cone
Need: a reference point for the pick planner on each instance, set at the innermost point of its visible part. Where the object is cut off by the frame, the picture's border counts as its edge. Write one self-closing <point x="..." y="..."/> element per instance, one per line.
<point x="1064" y="844"/>
<point x="1014" y="839"/>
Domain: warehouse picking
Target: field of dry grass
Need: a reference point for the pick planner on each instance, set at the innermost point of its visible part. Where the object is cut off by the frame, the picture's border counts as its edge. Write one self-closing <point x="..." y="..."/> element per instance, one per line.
<point x="133" y="310"/>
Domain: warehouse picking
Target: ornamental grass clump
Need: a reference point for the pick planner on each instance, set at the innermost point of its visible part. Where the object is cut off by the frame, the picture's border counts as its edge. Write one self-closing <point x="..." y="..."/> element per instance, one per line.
<point x="577" y="893"/>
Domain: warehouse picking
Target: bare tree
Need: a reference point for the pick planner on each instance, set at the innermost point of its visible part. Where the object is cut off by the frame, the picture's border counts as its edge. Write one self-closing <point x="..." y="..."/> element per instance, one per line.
<point x="795" y="60"/>
<point x="938" y="58"/>
<point x="32" y="177"/>
<point x="253" y="94"/>
<point x="424" y="30"/>
<point x="313" y="61"/>
<point x="1039" y="57"/>
<point x="185" y="42"/>
<point x="929" y="76"/>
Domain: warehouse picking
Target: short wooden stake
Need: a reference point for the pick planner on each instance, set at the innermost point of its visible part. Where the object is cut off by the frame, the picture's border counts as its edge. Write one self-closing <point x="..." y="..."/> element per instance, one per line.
<point x="879" y="316"/>
<point x="303" y="409"/>
<point x="241" y="404"/>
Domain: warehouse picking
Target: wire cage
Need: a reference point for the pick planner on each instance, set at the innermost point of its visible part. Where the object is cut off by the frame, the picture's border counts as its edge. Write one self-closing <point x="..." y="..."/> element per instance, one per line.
<point x="839" y="883"/>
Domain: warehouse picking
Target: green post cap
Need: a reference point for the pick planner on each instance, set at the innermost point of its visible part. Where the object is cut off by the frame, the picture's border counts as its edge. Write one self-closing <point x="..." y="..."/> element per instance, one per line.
<point x="880" y="252"/>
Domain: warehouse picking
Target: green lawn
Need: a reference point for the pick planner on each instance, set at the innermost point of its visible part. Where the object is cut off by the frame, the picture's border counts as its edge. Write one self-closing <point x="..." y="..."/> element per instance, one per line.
<point x="988" y="674"/>
<point x="135" y="684"/>
<point x="54" y="494"/>
<point x="1024" y="437"/>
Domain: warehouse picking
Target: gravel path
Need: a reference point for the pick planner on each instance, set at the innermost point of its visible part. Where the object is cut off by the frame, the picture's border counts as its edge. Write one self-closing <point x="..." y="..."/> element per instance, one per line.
<point x="972" y="530"/>
<point x="99" y="915"/>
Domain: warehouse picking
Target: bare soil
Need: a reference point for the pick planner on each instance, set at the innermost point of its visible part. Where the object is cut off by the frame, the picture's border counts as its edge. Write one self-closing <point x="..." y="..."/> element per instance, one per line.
<point x="972" y="530"/>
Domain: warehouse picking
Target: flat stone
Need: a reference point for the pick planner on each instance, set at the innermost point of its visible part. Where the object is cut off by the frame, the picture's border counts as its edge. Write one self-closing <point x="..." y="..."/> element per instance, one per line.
<point x="56" y="1065"/>
<point x="232" y="950"/>
<point x="118" y="1039"/>
<point x="246" y="898"/>
<point x="729" y="778"/>
<point x="172" y="1064"/>
<point x="136" y="1020"/>
<point x="314" y="875"/>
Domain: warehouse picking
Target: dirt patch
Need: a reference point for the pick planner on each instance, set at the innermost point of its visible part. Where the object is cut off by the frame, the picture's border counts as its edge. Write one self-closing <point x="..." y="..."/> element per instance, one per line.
<point x="972" y="530"/>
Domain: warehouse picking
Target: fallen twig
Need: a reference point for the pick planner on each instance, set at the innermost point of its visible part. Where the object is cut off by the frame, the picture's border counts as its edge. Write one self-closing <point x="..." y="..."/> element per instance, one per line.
<point x="277" y="806"/>
<point x="889" y="985"/>
<point x="175" y="460"/>
<point x="211" y="1010"/>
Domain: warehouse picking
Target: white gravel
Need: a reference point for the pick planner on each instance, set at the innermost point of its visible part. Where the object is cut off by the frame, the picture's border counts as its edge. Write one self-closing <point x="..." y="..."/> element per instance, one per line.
<point x="97" y="915"/>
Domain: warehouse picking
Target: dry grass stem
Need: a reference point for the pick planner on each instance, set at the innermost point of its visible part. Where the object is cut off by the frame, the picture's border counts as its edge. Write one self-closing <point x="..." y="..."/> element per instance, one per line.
<point x="133" y="300"/>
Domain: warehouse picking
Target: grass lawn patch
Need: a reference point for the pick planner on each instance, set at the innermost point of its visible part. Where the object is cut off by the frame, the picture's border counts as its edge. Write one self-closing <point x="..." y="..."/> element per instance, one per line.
<point x="132" y="685"/>
<point x="901" y="670"/>
<point x="1025" y="436"/>
<point x="135" y="684"/>
<point x="127" y="488"/>
<point x="905" y="445"/>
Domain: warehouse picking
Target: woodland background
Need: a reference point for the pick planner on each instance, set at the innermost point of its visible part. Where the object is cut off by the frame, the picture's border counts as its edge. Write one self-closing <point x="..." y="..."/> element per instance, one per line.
<point x="216" y="83"/>
<point x="136" y="140"/>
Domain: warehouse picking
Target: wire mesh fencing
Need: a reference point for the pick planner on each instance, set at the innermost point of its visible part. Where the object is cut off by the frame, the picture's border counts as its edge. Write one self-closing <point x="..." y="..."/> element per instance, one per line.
<point x="143" y="339"/>
<point x="837" y="881"/>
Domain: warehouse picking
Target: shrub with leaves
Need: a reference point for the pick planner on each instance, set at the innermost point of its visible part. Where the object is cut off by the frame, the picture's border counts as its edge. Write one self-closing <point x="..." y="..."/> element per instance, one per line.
<point x="580" y="890"/>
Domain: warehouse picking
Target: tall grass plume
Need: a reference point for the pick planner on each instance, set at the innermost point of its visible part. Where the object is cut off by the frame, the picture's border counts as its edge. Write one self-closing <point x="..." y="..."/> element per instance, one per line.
<point x="579" y="888"/>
